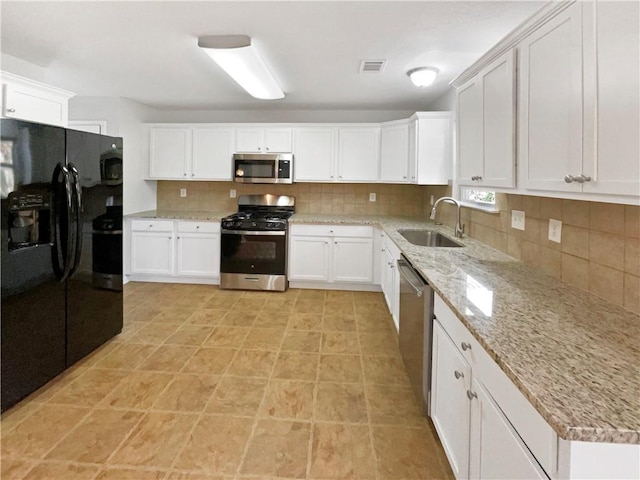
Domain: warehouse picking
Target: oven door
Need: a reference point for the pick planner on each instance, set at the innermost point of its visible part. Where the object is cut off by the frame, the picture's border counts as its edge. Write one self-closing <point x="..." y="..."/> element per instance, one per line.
<point x="253" y="252"/>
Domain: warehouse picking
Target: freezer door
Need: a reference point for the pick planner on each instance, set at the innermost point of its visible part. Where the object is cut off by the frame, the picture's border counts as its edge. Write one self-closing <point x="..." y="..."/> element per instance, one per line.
<point x="33" y="300"/>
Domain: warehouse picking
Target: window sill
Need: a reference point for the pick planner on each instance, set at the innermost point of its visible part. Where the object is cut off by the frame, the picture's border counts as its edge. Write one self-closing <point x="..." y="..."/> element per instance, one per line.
<point x="479" y="206"/>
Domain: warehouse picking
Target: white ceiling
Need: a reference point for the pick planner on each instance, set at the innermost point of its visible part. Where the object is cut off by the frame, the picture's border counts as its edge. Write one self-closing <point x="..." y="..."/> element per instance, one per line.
<point x="147" y="51"/>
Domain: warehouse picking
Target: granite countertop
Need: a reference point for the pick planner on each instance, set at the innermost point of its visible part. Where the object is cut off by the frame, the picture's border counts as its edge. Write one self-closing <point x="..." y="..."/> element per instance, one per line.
<point x="209" y="215"/>
<point x="572" y="354"/>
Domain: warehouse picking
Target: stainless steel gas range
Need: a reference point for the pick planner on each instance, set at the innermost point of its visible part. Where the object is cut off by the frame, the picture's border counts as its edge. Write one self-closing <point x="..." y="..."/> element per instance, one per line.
<point x="253" y="253"/>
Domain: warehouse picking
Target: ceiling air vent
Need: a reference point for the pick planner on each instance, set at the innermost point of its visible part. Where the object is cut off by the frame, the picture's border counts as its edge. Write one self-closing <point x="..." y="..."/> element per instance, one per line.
<point x="372" y="66"/>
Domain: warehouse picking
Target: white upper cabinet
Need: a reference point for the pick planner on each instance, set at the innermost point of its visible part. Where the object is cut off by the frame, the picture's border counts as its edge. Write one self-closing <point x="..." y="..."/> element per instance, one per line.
<point x="26" y="99"/>
<point x="612" y="98"/>
<point x="486" y="125"/>
<point x="315" y="154"/>
<point x="430" y="148"/>
<point x="394" y="152"/>
<point x="263" y="140"/>
<point x="213" y="149"/>
<point x="169" y="152"/>
<point x="186" y="153"/>
<point x="550" y="120"/>
<point x="358" y="154"/>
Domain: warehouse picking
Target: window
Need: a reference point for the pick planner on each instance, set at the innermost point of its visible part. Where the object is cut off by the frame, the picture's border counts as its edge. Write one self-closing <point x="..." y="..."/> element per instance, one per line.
<point x="477" y="198"/>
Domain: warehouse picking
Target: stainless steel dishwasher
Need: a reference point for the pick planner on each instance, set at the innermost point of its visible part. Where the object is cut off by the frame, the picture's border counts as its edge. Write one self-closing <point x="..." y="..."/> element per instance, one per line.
<point x="416" y="330"/>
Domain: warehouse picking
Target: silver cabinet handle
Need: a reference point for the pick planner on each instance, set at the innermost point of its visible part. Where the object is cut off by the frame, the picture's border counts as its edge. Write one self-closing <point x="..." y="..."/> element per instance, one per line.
<point x="184" y="174"/>
<point x="193" y="174"/>
<point x="465" y="346"/>
<point x="340" y="176"/>
<point x="458" y="374"/>
<point x="476" y="178"/>
<point x="178" y="238"/>
<point x="11" y="110"/>
<point x="471" y="395"/>
<point x="151" y="225"/>
<point x="579" y="179"/>
<point x="197" y="227"/>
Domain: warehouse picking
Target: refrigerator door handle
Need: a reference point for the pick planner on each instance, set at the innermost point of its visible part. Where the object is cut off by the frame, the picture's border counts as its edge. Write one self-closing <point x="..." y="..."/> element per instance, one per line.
<point x="61" y="254"/>
<point x="76" y="218"/>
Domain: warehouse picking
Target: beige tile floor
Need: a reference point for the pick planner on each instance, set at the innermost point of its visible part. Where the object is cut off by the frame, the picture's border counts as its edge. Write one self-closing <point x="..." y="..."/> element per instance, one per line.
<point x="208" y="384"/>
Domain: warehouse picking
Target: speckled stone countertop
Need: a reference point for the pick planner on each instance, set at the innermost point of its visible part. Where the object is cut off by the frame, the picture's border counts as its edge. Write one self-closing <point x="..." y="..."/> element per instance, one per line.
<point x="575" y="356"/>
<point x="182" y="215"/>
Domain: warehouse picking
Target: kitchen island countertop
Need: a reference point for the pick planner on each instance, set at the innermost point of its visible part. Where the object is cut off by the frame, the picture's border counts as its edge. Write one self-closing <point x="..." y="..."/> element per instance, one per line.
<point x="574" y="355"/>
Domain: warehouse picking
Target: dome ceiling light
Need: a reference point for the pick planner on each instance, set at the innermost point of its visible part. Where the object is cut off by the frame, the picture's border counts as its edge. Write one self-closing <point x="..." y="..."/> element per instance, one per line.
<point x="423" y="76"/>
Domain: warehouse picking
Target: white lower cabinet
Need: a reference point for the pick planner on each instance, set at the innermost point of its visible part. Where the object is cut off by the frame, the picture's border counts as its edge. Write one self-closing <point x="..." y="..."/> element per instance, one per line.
<point x="198" y="249"/>
<point x="389" y="279"/>
<point x="152" y="245"/>
<point x="180" y="251"/>
<point x="449" y="404"/>
<point x="496" y="450"/>
<point x="331" y="254"/>
<point x="477" y="433"/>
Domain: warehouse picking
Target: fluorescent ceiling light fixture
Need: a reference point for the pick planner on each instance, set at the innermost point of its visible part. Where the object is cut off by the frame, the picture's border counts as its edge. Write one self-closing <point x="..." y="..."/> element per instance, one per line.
<point x="236" y="56"/>
<point x="423" y="76"/>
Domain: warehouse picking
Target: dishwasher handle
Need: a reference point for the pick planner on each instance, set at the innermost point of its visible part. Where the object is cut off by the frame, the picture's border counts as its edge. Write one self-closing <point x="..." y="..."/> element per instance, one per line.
<point x="408" y="274"/>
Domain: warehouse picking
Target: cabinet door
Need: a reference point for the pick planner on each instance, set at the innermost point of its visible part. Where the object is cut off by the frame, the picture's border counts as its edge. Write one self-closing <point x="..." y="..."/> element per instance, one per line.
<point x="278" y="140"/>
<point x="213" y="149"/>
<point x="550" y="120"/>
<point x="250" y="140"/>
<point x="433" y="155"/>
<point x="309" y="258"/>
<point x="169" y="153"/>
<point x="496" y="450"/>
<point x="358" y="154"/>
<point x="198" y="254"/>
<point x="470" y="137"/>
<point x="28" y="103"/>
<point x="612" y="98"/>
<point x="152" y="253"/>
<point x="394" y="153"/>
<point x="498" y="109"/>
<point x="450" y="410"/>
<point x="352" y="260"/>
<point x="314" y="151"/>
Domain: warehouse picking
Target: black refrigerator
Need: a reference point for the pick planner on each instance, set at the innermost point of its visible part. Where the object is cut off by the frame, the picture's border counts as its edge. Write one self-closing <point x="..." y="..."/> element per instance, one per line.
<point x="61" y="196"/>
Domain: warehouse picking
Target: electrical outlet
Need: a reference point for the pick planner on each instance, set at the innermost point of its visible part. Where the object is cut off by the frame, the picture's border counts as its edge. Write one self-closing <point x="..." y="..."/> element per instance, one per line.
<point x="183" y="192"/>
<point x="517" y="219"/>
<point x="372" y="197"/>
<point x="555" y="230"/>
<point x="432" y="200"/>
<point x="232" y="193"/>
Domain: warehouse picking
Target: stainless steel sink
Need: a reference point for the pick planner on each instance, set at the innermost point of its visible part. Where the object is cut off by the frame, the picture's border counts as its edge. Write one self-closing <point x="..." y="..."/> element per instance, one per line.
<point x="428" y="238"/>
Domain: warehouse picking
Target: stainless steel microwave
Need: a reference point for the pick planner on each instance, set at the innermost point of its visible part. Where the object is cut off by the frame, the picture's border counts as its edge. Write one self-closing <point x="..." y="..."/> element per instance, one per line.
<point x="263" y="167"/>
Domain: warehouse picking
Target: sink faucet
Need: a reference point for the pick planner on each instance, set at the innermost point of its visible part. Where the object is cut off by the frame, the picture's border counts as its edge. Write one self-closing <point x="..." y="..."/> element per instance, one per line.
<point x="459" y="229"/>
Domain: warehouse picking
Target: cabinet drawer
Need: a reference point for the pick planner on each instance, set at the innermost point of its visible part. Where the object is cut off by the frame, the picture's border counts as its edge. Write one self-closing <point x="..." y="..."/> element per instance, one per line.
<point x="198" y="227"/>
<point x="151" y="225"/>
<point x="534" y="430"/>
<point x="332" y="230"/>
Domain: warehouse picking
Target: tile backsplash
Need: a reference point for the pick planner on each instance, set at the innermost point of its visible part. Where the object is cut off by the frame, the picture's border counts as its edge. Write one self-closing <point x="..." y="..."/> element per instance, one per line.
<point x="345" y="198"/>
<point x="599" y="249"/>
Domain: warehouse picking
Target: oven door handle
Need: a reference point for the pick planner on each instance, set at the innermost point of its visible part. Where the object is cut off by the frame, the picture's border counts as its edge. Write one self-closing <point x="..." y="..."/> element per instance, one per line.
<point x="254" y="232"/>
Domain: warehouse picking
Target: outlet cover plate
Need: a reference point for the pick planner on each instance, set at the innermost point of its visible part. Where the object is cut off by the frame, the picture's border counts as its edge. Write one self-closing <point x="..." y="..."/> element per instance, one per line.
<point x="232" y="193"/>
<point x="517" y="219"/>
<point x="372" y="197"/>
<point x="183" y="192"/>
<point x="555" y="230"/>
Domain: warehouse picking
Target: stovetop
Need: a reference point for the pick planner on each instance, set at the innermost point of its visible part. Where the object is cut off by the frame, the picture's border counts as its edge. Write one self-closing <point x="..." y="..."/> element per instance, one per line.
<point x="258" y="220"/>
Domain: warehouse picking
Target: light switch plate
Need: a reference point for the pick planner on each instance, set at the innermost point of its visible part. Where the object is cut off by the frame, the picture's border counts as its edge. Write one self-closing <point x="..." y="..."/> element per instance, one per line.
<point x="517" y="219"/>
<point x="372" y="197"/>
<point x="555" y="230"/>
<point x="232" y="193"/>
<point x="183" y="192"/>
